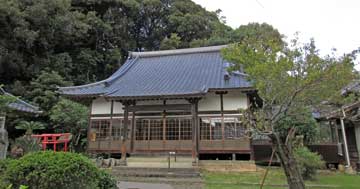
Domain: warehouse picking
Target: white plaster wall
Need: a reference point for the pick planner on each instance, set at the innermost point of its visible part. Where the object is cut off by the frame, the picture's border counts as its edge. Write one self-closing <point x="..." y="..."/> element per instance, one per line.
<point x="118" y="108"/>
<point x="233" y="100"/>
<point x="210" y="102"/>
<point x="101" y="106"/>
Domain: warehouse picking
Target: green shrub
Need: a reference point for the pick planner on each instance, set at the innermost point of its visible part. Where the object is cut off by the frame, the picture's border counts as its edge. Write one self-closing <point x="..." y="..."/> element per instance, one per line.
<point x="308" y="162"/>
<point x="3" y="167"/>
<point x="43" y="170"/>
<point x="106" y="180"/>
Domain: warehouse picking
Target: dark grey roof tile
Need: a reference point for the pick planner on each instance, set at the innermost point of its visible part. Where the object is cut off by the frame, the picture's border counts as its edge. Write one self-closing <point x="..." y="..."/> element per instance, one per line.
<point x="165" y="73"/>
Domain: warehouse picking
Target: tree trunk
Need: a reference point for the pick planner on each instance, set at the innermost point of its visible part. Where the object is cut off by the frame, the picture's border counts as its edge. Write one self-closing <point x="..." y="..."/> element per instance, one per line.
<point x="288" y="162"/>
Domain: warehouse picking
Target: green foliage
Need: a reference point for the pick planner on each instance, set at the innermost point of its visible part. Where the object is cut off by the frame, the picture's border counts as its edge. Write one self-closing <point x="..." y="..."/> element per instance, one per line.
<point x="308" y="162"/>
<point x="56" y="170"/>
<point x="29" y="126"/>
<point x="69" y="116"/>
<point x="173" y="42"/>
<point x="304" y="124"/>
<point x="48" y="44"/>
<point x="5" y="100"/>
<point x="44" y="89"/>
<point x="287" y="78"/>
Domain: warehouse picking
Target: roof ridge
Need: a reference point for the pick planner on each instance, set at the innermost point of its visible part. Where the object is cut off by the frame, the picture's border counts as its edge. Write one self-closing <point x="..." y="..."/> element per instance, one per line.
<point x="81" y="86"/>
<point x="112" y="78"/>
<point x="177" y="51"/>
<point x="107" y="81"/>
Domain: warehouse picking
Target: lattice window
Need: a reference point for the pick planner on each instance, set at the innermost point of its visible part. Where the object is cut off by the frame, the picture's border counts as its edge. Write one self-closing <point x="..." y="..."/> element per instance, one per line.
<point x="101" y="128"/>
<point x="156" y="129"/>
<point x="233" y="128"/>
<point x="205" y="129"/>
<point x="216" y="130"/>
<point x="117" y="124"/>
<point x="142" y="129"/>
<point x="172" y="129"/>
<point x="186" y="130"/>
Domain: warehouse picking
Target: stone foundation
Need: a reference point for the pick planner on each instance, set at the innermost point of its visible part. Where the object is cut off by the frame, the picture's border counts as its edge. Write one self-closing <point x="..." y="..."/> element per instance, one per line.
<point x="227" y="166"/>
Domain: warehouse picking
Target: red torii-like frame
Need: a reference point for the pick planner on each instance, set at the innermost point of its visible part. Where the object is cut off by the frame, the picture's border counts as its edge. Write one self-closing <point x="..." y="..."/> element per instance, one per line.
<point x="54" y="139"/>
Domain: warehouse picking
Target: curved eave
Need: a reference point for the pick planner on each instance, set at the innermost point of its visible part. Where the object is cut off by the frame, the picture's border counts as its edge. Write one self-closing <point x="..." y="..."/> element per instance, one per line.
<point x="81" y="95"/>
<point x="245" y="89"/>
<point x="157" y="97"/>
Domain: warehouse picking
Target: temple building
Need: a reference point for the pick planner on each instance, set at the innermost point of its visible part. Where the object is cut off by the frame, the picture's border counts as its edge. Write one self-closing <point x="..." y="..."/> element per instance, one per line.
<point x="184" y="101"/>
<point x="19" y="106"/>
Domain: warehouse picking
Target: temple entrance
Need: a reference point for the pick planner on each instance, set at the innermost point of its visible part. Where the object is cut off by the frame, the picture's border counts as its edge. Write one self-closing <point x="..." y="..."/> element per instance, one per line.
<point x="171" y="134"/>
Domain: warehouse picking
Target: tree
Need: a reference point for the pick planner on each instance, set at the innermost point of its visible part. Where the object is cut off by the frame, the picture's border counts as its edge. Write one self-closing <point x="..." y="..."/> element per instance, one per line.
<point x="173" y="42"/>
<point x="287" y="78"/>
<point x="305" y="124"/>
<point x="69" y="116"/>
<point x="29" y="127"/>
<point x="44" y="89"/>
<point x="5" y="100"/>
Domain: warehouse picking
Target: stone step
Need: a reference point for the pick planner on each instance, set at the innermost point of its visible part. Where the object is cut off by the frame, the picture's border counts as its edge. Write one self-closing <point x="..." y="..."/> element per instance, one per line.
<point x="175" y="183"/>
<point x="124" y="172"/>
<point x="192" y="180"/>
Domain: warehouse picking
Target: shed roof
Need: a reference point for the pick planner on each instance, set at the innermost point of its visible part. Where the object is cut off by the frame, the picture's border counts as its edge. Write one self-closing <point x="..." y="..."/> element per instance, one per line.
<point x="166" y="74"/>
<point x="20" y="105"/>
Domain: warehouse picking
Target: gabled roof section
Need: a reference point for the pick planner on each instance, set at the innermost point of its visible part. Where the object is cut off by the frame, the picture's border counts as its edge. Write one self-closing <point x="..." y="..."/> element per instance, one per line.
<point x="21" y="105"/>
<point x="165" y="74"/>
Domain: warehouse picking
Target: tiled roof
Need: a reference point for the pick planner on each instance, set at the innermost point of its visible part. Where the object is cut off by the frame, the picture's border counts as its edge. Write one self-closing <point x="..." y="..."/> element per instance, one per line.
<point x="21" y="105"/>
<point x="165" y="74"/>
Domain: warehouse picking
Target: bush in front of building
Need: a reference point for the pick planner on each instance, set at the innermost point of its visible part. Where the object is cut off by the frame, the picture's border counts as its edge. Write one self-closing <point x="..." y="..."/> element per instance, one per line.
<point x="43" y="170"/>
<point x="309" y="162"/>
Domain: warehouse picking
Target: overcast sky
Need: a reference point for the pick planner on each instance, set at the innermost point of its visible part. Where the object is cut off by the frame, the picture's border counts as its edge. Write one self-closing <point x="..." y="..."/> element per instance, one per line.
<point x="332" y="23"/>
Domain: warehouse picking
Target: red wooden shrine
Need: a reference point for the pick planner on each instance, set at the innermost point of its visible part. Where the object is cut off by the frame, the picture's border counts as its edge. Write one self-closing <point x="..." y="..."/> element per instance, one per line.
<point x="54" y="139"/>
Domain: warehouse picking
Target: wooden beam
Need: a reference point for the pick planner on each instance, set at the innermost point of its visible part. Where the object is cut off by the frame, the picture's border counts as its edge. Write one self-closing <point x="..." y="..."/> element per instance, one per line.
<point x="160" y="108"/>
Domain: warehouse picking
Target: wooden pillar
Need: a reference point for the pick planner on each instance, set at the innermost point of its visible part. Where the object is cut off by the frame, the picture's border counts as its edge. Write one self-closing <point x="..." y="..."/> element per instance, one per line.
<point x="195" y="128"/>
<point x="164" y="126"/>
<point x="148" y="134"/>
<point x="357" y="137"/>
<point x="222" y="117"/>
<point x="221" y="93"/>
<point x="125" y="129"/>
<point x="346" y="150"/>
<point x="111" y="124"/>
<point x="133" y="131"/>
<point x="179" y="130"/>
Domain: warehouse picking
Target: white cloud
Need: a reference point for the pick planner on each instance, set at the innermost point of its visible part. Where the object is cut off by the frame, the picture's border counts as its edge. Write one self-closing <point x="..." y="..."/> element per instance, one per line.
<point x="332" y="23"/>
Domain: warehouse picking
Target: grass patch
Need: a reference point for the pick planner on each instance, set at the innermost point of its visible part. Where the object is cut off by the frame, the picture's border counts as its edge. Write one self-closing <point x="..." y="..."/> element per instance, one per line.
<point x="276" y="179"/>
